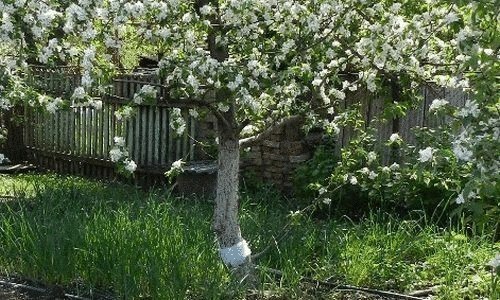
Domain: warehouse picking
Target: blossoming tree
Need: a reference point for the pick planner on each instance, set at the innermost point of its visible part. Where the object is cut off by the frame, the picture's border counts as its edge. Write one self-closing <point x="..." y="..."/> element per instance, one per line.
<point x="250" y="63"/>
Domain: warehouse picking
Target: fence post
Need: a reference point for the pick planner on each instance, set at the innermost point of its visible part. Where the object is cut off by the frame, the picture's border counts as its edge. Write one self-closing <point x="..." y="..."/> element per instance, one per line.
<point x="14" y="146"/>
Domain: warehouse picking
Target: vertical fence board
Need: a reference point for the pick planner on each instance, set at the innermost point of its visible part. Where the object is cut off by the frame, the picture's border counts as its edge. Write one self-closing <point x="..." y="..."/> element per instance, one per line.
<point x="185" y="137"/>
<point x="85" y="129"/>
<point x="78" y="131"/>
<point x="144" y="135"/>
<point x="156" y="137"/>
<point x="413" y="118"/>
<point x="137" y="137"/>
<point x="130" y="137"/>
<point x="150" y="138"/>
<point x="73" y="134"/>
<point x="164" y="138"/>
<point x="105" y="131"/>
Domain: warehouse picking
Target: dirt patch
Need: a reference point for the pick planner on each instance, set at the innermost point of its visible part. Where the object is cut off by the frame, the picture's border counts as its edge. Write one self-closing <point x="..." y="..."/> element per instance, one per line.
<point x="12" y="290"/>
<point x="9" y="293"/>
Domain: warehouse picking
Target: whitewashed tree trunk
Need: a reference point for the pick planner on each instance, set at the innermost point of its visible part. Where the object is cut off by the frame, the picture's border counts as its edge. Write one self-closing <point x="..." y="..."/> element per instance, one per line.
<point x="234" y="250"/>
<point x="226" y="223"/>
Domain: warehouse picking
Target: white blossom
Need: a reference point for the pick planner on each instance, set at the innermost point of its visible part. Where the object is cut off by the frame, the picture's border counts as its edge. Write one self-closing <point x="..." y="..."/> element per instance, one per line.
<point x="437" y="104"/>
<point x="364" y="170"/>
<point x="462" y="152"/>
<point x="97" y="104"/>
<point x="206" y="10"/>
<point x="177" y="122"/>
<point x="193" y="113"/>
<point x="130" y="165"/>
<point x="395" y="137"/>
<point x="125" y="113"/>
<point x="372" y="156"/>
<point x="471" y="108"/>
<point x="425" y="154"/>
<point x="119" y="141"/>
<point x="79" y="93"/>
<point x="54" y="105"/>
<point x="394" y="166"/>
<point x="177" y="164"/>
<point x="115" y="154"/>
<point x="248" y="130"/>
<point x="317" y="82"/>
<point x="488" y="51"/>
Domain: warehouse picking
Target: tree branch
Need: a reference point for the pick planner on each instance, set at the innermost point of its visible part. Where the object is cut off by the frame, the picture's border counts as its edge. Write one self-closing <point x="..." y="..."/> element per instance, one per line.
<point x="250" y="141"/>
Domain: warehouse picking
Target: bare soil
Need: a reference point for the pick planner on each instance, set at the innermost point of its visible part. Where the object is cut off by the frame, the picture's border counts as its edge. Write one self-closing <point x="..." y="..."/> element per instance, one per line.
<point x="8" y="293"/>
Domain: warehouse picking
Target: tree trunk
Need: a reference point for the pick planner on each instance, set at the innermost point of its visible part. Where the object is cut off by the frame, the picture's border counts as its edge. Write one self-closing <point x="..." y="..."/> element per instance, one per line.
<point x="234" y="250"/>
<point x="226" y="224"/>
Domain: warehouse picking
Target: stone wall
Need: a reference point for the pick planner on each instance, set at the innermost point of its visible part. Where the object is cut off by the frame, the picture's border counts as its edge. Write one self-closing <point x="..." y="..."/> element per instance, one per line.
<point x="275" y="159"/>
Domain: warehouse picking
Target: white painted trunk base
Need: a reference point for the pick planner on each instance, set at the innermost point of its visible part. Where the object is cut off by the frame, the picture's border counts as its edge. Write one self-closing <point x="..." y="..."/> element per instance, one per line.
<point x="236" y="255"/>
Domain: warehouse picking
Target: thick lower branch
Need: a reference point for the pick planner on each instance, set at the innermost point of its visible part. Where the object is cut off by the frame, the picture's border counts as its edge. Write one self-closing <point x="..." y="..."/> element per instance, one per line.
<point x="253" y="140"/>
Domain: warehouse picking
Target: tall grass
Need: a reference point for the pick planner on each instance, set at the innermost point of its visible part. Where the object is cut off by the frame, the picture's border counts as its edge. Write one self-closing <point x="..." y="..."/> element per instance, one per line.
<point x="89" y="235"/>
<point x="135" y="244"/>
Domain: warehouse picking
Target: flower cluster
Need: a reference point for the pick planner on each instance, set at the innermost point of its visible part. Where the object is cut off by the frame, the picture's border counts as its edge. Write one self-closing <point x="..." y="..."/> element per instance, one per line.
<point x="437" y="105"/>
<point x="146" y="93"/>
<point x="124" y="113"/>
<point x="175" y="169"/>
<point x="177" y="121"/>
<point x="119" y="154"/>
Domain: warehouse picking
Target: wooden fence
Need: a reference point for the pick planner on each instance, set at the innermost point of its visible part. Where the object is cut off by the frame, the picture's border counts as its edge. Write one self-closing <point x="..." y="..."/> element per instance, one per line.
<point x="372" y="106"/>
<point x="78" y="140"/>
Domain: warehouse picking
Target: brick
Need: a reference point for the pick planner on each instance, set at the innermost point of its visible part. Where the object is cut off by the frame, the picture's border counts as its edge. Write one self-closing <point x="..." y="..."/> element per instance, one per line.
<point x="270" y="150"/>
<point x="292" y="148"/>
<point x="299" y="158"/>
<point x="275" y="170"/>
<point x="273" y="157"/>
<point x="271" y="144"/>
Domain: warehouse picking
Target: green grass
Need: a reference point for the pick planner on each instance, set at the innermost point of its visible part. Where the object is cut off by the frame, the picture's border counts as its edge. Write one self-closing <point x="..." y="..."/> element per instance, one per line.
<point x="110" y="237"/>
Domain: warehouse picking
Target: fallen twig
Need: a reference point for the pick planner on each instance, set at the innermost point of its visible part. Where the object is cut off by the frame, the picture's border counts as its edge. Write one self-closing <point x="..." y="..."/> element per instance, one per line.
<point x="35" y="289"/>
<point x="347" y="287"/>
<point x="424" y="292"/>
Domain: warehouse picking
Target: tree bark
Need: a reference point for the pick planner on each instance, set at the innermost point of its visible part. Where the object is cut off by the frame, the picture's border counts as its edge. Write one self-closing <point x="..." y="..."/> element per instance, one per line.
<point x="234" y="250"/>
<point x="226" y="225"/>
